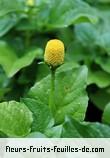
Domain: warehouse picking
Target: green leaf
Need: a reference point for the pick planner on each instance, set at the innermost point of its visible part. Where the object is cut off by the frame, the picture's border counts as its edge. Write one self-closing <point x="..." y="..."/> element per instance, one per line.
<point x="86" y="33"/>
<point x="2" y="135"/>
<point x="76" y="52"/>
<point x="36" y="135"/>
<point x="75" y="129"/>
<point x="100" y="98"/>
<point x="54" y="132"/>
<point x="10" y="14"/>
<point x="104" y="41"/>
<point x="100" y="78"/>
<point x="67" y="13"/>
<point x="42" y="71"/>
<point x="24" y="61"/>
<point x="70" y="94"/>
<point x="11" y="63"/>
<point x="42" y="118"/>
<point x="97" y="34"/>
<point x="104" y="1"/>
<point x="106" y="114"/>
<point x="7" y="56"/>
<point x="103" y="28"/>
<point x="67" y="66"/>
<point x="15" y="119"/>
<point x="7" y="22"/>
<point x="6" y="6"/>
<point x="104" y="62"/>
<point x="4" y="81"/>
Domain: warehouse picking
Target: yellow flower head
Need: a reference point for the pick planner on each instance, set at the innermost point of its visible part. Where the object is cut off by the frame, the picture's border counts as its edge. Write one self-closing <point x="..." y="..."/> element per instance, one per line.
<point x="54" y="53"/>
<point x="30" y="2"/>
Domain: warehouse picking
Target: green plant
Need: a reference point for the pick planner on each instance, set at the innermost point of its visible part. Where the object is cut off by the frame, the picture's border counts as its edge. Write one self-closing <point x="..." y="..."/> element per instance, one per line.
<point x="80" y="86"/>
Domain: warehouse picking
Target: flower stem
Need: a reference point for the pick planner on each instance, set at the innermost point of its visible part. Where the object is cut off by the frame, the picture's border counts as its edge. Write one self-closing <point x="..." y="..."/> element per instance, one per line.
<point x="52" y="92"/>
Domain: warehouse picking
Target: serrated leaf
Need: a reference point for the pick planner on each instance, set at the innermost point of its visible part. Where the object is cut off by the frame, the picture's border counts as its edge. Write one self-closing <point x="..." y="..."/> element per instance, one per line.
<point x="75" y="129"/>
<point x="11" y="63"/>
<point x="42" y="117"/>
<point x="15" y="119"/>
<point x="106" y="114"/>
<point x="70" y="94"/>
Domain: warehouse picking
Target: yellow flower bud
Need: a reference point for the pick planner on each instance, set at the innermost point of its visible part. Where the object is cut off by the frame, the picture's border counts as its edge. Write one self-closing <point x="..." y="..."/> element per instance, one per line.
<point x="30" y="2"/>
<point x="54" y="53"/>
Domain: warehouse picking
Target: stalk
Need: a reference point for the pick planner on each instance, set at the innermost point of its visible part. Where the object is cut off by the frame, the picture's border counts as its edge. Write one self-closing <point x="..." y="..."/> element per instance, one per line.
<point x="52" y="92"/>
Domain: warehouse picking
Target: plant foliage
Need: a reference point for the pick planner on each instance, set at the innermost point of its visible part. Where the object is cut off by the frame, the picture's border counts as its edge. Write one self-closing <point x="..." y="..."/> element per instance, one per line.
<point x="82" y="83"/>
